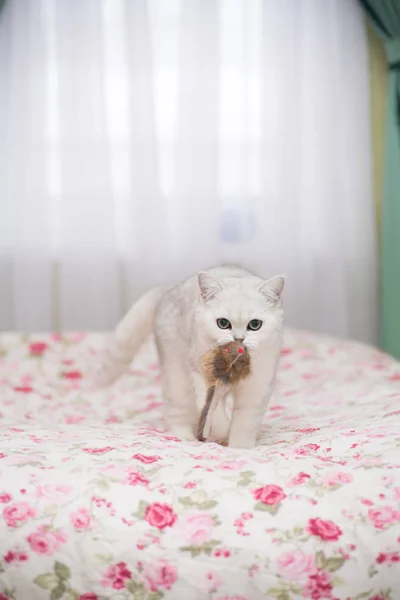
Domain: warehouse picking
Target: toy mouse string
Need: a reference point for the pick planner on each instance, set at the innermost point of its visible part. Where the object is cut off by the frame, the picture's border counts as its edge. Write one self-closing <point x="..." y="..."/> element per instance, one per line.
<point x="203" y="431"/>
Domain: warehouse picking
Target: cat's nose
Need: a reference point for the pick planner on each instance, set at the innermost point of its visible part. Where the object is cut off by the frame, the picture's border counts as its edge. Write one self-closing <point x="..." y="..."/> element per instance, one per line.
<point x="238" y="338"/>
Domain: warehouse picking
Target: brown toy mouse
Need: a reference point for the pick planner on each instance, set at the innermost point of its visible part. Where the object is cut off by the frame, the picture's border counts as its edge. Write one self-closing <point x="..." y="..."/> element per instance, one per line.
<point x="223" y="366"/>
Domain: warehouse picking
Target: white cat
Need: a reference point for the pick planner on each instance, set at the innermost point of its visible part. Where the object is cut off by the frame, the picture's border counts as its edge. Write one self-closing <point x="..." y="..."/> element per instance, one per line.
<point x="215" y="307"/>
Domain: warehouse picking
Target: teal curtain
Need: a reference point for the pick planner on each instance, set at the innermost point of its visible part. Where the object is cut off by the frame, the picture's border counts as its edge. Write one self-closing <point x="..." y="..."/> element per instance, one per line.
<point x="385" y="15"/>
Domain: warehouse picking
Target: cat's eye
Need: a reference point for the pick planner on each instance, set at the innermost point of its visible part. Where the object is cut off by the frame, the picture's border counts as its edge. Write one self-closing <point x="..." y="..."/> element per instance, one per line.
<point x="224" y="324"/>
<point x="254" y="324"/>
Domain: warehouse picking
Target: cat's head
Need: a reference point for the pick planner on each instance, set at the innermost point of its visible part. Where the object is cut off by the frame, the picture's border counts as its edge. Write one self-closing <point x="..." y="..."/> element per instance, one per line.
<point x="245" y="308"/>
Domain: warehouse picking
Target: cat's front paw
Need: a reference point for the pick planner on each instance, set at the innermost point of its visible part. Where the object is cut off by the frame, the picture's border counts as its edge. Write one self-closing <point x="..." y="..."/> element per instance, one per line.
<point x="103" y="377"/>
<point x="182" y="431"/>
<point x="222" y="441"/>
<point x="241" y="442"/>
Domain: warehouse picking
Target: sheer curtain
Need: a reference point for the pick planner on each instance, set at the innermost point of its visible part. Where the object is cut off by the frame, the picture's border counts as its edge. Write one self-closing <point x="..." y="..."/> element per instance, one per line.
<point x="141" y="140"/>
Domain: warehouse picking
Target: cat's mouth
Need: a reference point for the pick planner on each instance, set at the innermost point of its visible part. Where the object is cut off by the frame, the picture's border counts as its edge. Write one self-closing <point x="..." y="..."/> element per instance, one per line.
<point x="229" y="339"/>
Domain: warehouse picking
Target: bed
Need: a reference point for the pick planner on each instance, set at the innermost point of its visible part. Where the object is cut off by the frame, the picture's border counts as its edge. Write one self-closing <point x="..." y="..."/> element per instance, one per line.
<point x="98" y="502"/>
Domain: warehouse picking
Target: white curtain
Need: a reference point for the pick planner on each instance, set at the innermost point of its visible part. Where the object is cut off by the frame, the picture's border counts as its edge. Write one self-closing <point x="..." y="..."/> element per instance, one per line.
<point x="141" y="140"/>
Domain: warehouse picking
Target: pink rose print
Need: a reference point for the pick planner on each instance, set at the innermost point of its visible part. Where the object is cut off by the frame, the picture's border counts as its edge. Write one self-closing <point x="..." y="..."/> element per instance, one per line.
<point x="78" y="336"/>
<point x="37" y="348"/>
<point x="147" y="460"/>
<point x="285" y="351"/>
<point x="88" y="596"/>
<point x="303" y="451"/>
<point x="73" y="419"/>
<point x="213" y="581"/>
<point x="326" y="530"/>
<point x="53" y="492"/>
<point x="223" y="552"/>
<point x="240" y="523"/>
<point x="4" y="498"/>
<point x="81" y="519"/>
<point x="17" y="513"/>
<point x="171" y="438"/>
<point x="9" y="557"/>
<point x="4" y="597"/>
<point x="198" y="529"/>
<point x="12" y="556"/>
<point x="270" y="494"/>
<point x="116" y="575"/>
<point x="113" y="419"/>
<point x="337" y="478"/>
<point x="383" y="517"/>
<point x="135" y="478"/>
<point x="72" y="375"/>
<point x="308" y="429"/>
<point x="299" y="479"/>
<point x="24" y="389"/>
<point x="390" y="557"/>
<point x="98" y="450"/>
<point x="160" y="515"/>
<point x="367" y="502"/>
<point x="295" y="564"/>
<point x="46" y="541"/>
<point x="318" y="586"/>
<point x="160" y="575"/>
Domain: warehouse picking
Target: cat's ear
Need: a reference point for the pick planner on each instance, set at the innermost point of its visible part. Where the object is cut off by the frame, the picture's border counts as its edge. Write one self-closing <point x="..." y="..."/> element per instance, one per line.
<point x="209" y="286"/>
<point x="272" y="289"/>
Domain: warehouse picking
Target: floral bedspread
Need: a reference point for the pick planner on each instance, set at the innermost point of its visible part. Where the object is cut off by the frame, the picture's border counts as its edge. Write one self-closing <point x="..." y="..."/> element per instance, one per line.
<point x="97" y="502"/>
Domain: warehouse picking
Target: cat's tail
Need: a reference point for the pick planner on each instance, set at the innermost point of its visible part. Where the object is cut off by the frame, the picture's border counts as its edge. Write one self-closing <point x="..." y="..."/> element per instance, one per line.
<point x="128" y="337"/>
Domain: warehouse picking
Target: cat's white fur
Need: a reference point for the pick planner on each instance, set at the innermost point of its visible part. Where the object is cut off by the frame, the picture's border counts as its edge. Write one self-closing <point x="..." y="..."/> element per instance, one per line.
<point x="184" y="320"/>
